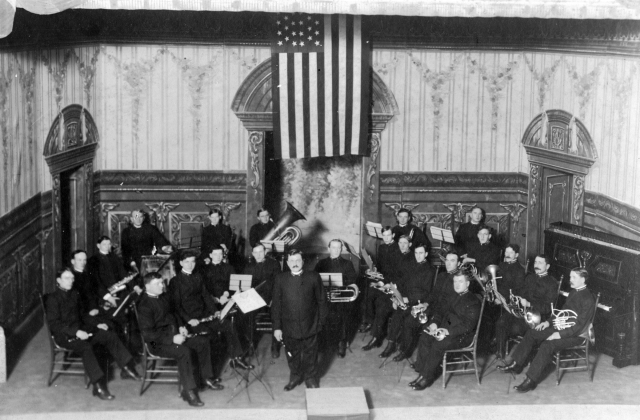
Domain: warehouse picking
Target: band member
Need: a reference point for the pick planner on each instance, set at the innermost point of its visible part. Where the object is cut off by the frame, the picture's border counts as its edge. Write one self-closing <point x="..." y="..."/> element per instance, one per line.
<point x="140" y="238"/>
<point x="405" y="258"/>
<point x="260" y="229"/>
<point x="512" y="272"/>
<point x="217" y="274"/>
<point x="166" y="336"/>
<point x="72" y="330"/>
<point x="378" y="307"/>
<point x="83" y="283"/>
<point x="555" y="334"/>
<point x="414" y="288"/>
<point x="298" y="312"/>
<point x="537" y="292"/>
<point x="263" y="270"/>
<point x="216" y="234"/>
<point x="334" y="263"/>
<point x="443" y="292"/>
<point x="468" y="232"/>
<point x="405" y="227"/>
<point x="192" y="304"/>
<point x="482" y="253"/>
<point x="452" y="327"/>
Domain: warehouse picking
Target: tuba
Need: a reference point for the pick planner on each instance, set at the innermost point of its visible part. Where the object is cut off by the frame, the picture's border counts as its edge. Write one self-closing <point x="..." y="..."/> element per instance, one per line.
<point x="282" y="231"/>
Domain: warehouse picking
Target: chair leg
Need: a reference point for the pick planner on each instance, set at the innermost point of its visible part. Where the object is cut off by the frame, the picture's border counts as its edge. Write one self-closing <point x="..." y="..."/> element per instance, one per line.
<point x="145" y="365"/>
<point x="557" y="368"/>
<point x="53" y="362"/>
<point x="475" y="366"/>
<point x="444" y="371"/>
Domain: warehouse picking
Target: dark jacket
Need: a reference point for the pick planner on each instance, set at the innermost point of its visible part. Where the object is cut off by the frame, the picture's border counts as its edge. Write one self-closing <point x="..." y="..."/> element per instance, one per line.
<point x="217" y="277"/>
<point x="416" y="234"/>
<point x="485" y="254"/>
<point x="541" y="292"/>
<point x="467" y="234"/>
<point x="157" y="324"/>
<point x="388" y="256"/>
<point x="85" y="286"/>
<point x="442" y="293"/>
<point x="403" y="266"/>
<point x="106" y="270"/>
<point x="583" y="304"/>
<point x="263" y="276"/>
<point x="189" y="298"/>
<point x="417" y="282"/>
<point x="137" y="242"/>
<point x="214" y="236"/>
<point x="258" y="232"/>
<point x="512" y="278"/>
<point x="64" y="317"/>
<point x="338" y="265"/>
<point x="299" y="306"/>
<point x="460" y="316"/>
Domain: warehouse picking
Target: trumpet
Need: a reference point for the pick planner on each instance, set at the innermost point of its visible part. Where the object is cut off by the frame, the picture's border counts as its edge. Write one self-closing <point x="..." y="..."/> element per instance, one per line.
<point x="374" y="275"/>
<point x="396" y="297"/>
<point x="438" y="334"/>
<point x="517" y="309"/>
<point x="343" y="294"/>
<point x="118" y="286"/>
<point x="420" y="313"/>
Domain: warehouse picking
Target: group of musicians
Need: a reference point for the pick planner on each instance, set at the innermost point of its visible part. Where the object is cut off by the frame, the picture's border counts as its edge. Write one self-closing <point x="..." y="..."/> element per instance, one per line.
<point x="416" y="311"/>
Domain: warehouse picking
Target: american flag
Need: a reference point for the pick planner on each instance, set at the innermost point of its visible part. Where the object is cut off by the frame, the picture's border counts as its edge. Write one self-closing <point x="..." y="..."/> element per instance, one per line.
<point x="321" y="82"/>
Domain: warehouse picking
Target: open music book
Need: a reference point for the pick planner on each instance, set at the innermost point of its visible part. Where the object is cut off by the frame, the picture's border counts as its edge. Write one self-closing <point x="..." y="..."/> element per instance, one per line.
<point x="331" y="279"/>
<point x="440" y="234"/>
<point x="374" y="229"/>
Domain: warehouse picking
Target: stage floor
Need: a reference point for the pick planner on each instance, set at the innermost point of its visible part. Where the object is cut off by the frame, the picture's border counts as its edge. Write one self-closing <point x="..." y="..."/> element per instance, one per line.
<point x="613" y="393"/>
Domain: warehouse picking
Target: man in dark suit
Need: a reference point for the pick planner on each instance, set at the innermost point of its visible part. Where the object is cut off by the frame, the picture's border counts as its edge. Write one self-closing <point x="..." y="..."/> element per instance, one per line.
<point x="405" y="227"/>
<point x="260" y="229"/>
<point x="139" y="238"/>
<point x="482" y="253"/>
<point x="83" y="283"/>
<point x="564" y="329"/>
<point x="166" y="336"/>
<point x="217" y="273"/>
<point x="443" y="292"/>
<point x="298" y="312"/>
<point x="334" y="263"/>
<point x="80" y="333"/>
<point x="450" y="328"/>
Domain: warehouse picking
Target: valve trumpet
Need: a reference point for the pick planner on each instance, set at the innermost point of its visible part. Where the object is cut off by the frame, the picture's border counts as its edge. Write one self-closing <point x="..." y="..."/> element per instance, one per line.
<point x="343" y="294"/>
<point x="420" y="313"/>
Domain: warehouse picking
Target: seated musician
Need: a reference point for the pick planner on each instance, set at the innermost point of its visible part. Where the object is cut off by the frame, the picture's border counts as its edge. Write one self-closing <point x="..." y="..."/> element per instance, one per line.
<point x="414" y="288"/>
<point x="217" y="275"/>
<point x="75" y="331"/>
<point x="260" y="229"/>
<point x="216" y="234"/>
<point x="405" y="227"/>
<point x="167" y="337"/>
<point x="107" y="271"/>
<point x="511" y="271"/>
<point x="443" y="291"/>
<point x="451" y="327"/>
<point x="537" y="292"/>
<point x="483" y="253"/>
<point x="83" y="283"/>
<point x="468" y="232"/>
<point x="195" y="308"/>
<point x="405" y="258"/>
<point x="139" y="239"/>
<point x="263" y="270"/>
<point x="378" y="303"/>
<point x="557" y="333"/>
<point x="334" y="263"/>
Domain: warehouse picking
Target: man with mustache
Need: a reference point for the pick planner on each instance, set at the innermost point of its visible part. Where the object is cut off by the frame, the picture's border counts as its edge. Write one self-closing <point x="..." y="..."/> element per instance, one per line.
<point x="298" y="312"/>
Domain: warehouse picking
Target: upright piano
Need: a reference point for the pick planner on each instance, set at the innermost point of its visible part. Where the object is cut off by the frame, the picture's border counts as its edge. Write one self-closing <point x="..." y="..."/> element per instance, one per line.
<point x="614" y="271"/>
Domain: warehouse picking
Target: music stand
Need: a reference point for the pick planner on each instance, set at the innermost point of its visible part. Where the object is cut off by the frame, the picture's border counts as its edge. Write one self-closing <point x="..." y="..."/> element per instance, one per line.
<point x="374" y="229"/>
<point x="331" y="279"/>
<point x="442" y="235"/>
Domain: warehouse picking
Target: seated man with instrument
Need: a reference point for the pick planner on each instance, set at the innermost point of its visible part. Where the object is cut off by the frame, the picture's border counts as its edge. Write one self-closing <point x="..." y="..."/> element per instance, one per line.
<point x="451" y="327"/>
<point x="534" y="298"/>
<point x="196" y="309"/>
<point x="443" y="291"/>
<point x="334" y="263"/>
<point x="483" y="253"/>
<point x="410" y="305"/>
<point x="565" y="328"/>
<point x="260" y="229"/>
<point x="217" y="275"/>
<point x="166" y="336"/>
<point x="467" y="233"/>
<point x="83" y="283"/>
<point x="139" y="239"/>
<point x="405" y="227"/>
<point x="263" y="270"/>
<point x="378" y="307"/>
<point x="79" y="332"/>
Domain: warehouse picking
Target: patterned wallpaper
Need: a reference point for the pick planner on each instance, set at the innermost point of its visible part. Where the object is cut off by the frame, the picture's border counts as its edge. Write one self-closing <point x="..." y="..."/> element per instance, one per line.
<point x="168" y="108"/>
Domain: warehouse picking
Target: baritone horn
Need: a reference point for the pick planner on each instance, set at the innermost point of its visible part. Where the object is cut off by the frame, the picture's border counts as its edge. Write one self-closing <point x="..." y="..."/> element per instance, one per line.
<point x="343" y="294"/>
<point x="283" y="231"/>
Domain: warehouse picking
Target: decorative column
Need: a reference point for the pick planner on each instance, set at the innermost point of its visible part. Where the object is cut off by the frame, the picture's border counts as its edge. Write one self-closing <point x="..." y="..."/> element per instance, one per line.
<point x="255" y="177"/>
<point x="533" y="213"/>
<point x="57" y="225"/>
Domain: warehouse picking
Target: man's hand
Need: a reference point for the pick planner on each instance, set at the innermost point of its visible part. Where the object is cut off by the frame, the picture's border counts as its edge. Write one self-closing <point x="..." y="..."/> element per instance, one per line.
<point x="432" y="328"/>
<point x="103" y="327"/>
<point x="525" y="302"/>
<point x="137" y="289"/>
<point x="441" y="333"/>
<point x="223" y="246"/>
<point x="93" y="312"/>
<point x="112" y="301"/>
<point x="82" y="335"/>
<point x="167" y="249"/>
<point x="405" y="300"/>
<point x="193" y="322"/>
<point x="224" y="298"/>
<point x="554" y="336"/>
<point x="183" y="331"/>
<point x="207" y="261"/>
<point x="394" y="305"/>
<point x="468" y="260"/>
<point x="380" y="284"/>
<point x="217" y="315"/>
<point x="178" y="339"/>
<point x="422" y="305"/>
<point x="278" y="335"/>
<point x="542" y="326"/>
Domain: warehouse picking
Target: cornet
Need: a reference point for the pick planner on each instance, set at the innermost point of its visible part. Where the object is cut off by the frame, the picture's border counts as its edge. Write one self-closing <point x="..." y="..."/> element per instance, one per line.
<point x="420" y="313"/>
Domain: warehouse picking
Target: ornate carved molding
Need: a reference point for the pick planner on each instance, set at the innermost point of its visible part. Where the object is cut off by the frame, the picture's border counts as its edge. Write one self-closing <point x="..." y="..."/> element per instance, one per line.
<point x="78" y="129"/>
<point x="171" y="178"/>
<point x="397" y="206"/>
<point x="115" y="219"/>
<point x="161" y="211"/>
<point x="176" y="219"/>
<point x="374" y="145"/>
<point x="448" y="180"/>
<point x="459" y="210"/>
<point x="224" y="207"/>
<point x="255" y="140"/>
<point x="56" y="201"/>
<point x="610" y="207"/>
<point x="578" y="196"/>
<point x="515" y="210"/>
<point x="104" y="209"/>
<point x="20" y="216"/>
<point x="534" y="191"/>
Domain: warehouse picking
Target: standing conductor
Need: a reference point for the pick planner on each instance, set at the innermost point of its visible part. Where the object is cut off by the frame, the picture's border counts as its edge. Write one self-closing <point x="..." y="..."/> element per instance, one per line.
<point x="298" y="312"/>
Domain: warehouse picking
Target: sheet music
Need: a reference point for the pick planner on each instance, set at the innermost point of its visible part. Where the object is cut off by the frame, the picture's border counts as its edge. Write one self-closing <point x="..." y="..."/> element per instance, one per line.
<point x="331" y="279"/>
<point x="275" y="246"/>
<point x="440" y="234"/>
<point x="240" y="282"/>
<point x="249" y="301"/>
<point x="374" y="229"/>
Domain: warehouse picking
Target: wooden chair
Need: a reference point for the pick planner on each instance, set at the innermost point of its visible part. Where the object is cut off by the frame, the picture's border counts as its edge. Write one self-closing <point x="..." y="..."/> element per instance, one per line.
<point x="576" y="354"/>
<point x="464" y="356"/>
<point x="153" y="366"/>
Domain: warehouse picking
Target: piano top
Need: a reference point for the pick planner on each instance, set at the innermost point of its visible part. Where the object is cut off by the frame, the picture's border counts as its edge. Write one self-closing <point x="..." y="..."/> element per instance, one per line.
<point x="591" y="234"/>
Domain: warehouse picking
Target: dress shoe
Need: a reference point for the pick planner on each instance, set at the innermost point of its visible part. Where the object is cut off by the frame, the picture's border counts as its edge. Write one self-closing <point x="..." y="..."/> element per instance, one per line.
<point x="238" y="363"/>
<point x="213" y="385"/>
<point x="389" y="350"/>
<point x="422" y="384"/>
<point x="371" y="344"/>
<point x="364" y="327"/>
<point x="510" y="367"/>
<point x="101" y="391"/>
<point x="291" y="385"/>
<point x="415" y="381"/>
<point x="526" y="386"/>
<point x="130" y="373"/>
<point x="192" y="398"/>
<point x="275" y="349"/>
<point x="342" y="349"/>
<point x="400" y="356"/>
<point x="312" y="383"/>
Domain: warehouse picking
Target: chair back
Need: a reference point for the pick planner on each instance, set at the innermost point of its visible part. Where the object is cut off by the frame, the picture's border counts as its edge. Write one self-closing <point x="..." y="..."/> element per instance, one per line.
<point x="474" y="343"/>
<point x="589" y="334"/>
<point x="559" y="291"/>
<point x="52" y="341"/>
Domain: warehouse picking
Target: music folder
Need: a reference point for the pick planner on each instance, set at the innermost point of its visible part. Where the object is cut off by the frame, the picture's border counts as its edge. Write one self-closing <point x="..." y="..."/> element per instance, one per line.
<point x="444" y="235"/>
<point x="249" y="301"/>
<point x="374" y="229"/>
<point x="331" y="279"/>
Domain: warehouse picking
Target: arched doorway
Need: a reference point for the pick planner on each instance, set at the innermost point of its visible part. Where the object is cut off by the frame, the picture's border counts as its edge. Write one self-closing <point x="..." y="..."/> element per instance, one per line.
<point x="560" y="152"/>
<point x="252" y="104"/>
<point x="69" y="151"/>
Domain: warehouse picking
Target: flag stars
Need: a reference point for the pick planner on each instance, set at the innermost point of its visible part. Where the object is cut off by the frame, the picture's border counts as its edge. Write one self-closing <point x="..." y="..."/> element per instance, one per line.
<point x="310" y="38"/>
<point x="317" y="43"/>
<point x="279" y="32"/>
<point x="287" y="18"/>
<point x="294" y="43"/>
<point x="302" y="43"/>
<point x="301" y="33"/>
<point x="317" y="22"/>
<point x="293" y="33"/>
<point x="286" y="38"/>
<point x="301" y="22"/>
<point x="308" y="17"/>
<point x="317" y="33"/>
<point x="286" y="28"/>
<point x="280" y="43"/>
<point x="278" y="22"/>
<point x="309" y="28"/>
<point x="293" y="23"/>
